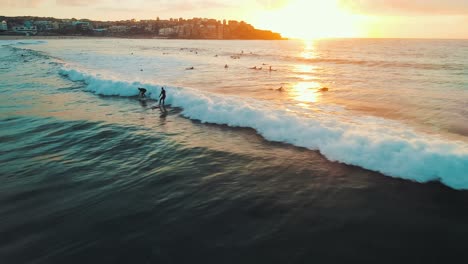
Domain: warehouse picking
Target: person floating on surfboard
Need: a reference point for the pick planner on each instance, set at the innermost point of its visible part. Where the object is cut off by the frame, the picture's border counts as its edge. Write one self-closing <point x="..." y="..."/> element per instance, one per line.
<point x="142" y="92"/>
<point x="162" y="96"/>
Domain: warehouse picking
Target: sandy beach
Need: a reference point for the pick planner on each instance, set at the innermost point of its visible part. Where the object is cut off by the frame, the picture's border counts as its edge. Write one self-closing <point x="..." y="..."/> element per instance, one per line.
<point x="12" y="37"/>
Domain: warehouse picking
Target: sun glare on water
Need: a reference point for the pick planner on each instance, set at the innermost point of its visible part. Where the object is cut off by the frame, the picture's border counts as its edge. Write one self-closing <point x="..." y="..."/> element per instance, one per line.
<point x="310" y="19"/>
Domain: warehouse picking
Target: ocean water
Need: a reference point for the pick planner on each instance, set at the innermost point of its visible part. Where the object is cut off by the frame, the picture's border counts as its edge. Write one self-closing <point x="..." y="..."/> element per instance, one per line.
<point x="352" y="150"/>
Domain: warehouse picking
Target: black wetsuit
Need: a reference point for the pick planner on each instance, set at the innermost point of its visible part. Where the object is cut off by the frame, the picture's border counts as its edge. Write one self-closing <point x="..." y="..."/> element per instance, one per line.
<point x="142" y="91"/>
<point x="162" y="97"/>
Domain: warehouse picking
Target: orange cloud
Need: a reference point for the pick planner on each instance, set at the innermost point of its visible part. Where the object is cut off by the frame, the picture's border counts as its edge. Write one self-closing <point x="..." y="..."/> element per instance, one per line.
<point x="185" y="5"/>
<point x="22" y="3"/>
<point x="406" y="7"/>
<point x="76" y="2"/>
<point x="272" y="4"/>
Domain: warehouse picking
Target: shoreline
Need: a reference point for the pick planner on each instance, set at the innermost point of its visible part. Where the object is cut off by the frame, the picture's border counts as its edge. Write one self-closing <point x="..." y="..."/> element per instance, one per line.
<point x="19" y="37"/>
<point x="13" y="37"/>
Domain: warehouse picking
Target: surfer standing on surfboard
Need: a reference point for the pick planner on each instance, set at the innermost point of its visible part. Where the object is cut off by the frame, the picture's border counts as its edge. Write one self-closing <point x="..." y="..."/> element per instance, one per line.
<point x="162" y="96"/>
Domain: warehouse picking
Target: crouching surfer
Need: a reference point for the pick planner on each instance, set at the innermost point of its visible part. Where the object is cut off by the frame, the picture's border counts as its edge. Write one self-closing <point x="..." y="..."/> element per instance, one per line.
<point x="142" y="92"/>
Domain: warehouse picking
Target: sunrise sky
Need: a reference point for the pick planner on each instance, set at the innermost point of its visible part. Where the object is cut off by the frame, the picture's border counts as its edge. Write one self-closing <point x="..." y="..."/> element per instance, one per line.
<point x="292" y="18"/>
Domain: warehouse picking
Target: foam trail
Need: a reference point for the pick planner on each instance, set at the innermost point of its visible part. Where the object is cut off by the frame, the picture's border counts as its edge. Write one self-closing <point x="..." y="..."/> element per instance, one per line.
<point x="372" y="143"/>
<point x="21" y="42"/>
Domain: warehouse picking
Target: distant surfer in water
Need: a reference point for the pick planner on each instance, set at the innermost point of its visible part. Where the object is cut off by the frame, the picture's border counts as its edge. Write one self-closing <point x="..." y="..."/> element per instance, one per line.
<point x="142" y="92"/>
<point x="162" y="96"/>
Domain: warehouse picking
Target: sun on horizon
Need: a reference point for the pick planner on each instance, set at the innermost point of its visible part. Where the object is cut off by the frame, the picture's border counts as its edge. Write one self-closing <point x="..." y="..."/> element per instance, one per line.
<point x="305" y="19"/>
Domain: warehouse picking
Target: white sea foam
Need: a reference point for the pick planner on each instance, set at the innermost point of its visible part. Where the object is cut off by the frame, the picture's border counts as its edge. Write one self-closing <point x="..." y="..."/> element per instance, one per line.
<point x="373" y="143"/>
<point x="21" y="42"/>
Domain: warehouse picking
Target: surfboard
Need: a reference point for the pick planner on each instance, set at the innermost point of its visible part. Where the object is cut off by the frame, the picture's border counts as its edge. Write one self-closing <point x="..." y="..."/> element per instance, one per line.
<point x="147" y="99"/>
<point x="165" y="107"/>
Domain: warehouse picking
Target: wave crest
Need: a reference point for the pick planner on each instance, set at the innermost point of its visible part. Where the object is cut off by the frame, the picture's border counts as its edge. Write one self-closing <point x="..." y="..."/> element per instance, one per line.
<point x="21" y="42"/>
<point x="373" y="143"/>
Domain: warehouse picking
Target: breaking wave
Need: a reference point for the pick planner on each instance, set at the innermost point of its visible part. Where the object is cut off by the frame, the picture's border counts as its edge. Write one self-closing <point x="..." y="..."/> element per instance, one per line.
<point x="21" y="42"/>
<point x="372" y="143"/>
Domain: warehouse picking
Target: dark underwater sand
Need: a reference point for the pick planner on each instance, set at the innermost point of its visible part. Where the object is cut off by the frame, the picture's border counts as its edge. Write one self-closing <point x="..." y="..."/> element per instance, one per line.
<point x="176" y="197"/>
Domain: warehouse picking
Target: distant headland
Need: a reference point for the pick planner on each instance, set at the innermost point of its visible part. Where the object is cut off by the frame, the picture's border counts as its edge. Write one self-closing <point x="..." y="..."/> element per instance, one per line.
<point x="174" y="28"/>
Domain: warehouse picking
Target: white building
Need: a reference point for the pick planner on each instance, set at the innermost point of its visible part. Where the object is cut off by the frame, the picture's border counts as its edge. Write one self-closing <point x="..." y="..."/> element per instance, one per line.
<point x="43" y="25"/>
<point x="149" y="28"/>
<point x="55" y="25"/>
<point x="26" y="30"/>
<point x="3" y="26"/>
<point x="83" y="25"/>
<point x="118" y="29"/>
<point x="166" y="31"/>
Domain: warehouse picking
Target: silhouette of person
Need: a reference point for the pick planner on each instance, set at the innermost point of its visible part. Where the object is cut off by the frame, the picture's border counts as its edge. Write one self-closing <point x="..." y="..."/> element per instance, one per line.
<point x="162" y="96"/>
<point x="226" y="66"/>
<point x="142" y="92"/>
